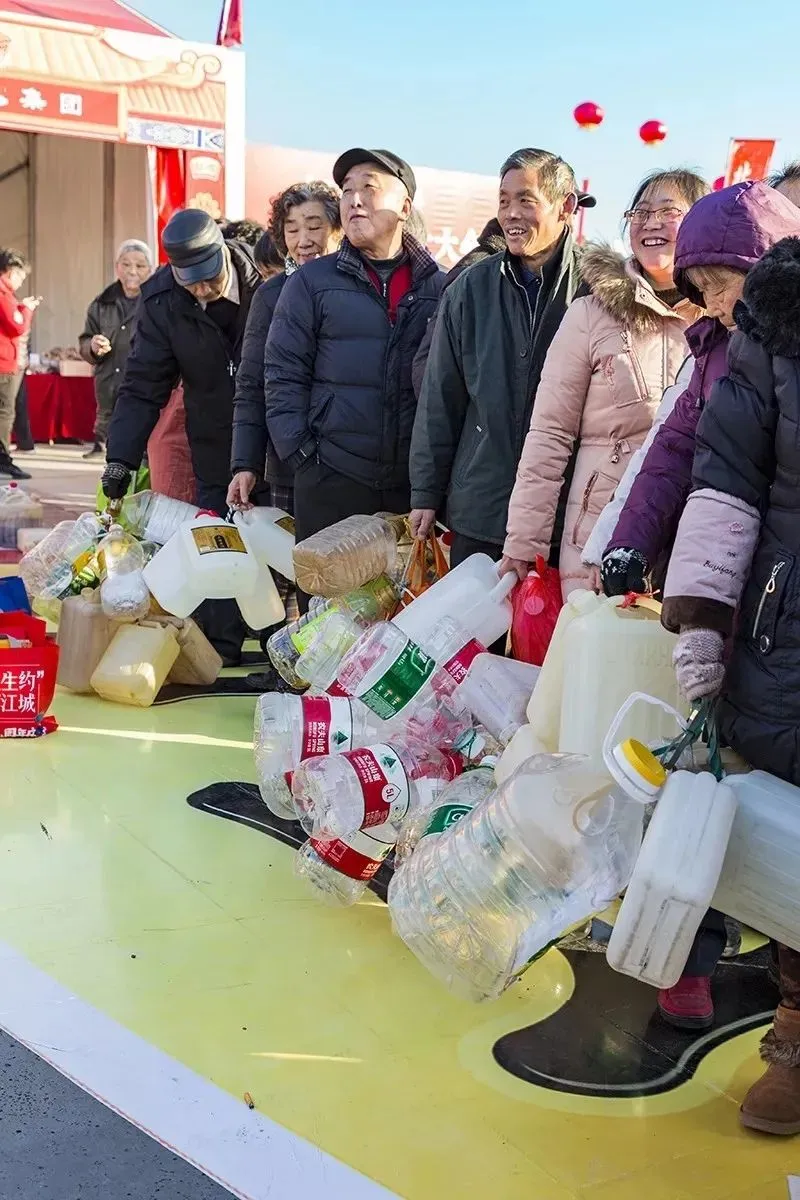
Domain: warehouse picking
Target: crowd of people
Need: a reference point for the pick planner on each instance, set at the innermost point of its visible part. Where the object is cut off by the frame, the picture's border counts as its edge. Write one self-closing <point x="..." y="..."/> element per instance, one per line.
<point x="631" y="417"/>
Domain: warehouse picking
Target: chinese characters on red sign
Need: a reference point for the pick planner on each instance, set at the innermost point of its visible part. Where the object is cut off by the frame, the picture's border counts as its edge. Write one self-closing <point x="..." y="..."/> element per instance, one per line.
<point x="60" y="106"/>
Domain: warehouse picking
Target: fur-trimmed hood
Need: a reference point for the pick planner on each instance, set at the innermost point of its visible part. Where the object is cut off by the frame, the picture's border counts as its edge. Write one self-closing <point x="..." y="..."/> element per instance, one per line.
<point x="618" y="284"/>
<point x="769" y="311"/>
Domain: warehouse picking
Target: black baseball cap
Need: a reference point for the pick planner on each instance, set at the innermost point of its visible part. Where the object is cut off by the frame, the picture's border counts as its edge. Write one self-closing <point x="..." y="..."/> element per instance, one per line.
<point x="388" y="162"/>
<point x="586" y="200"/>
<point x="194" y="245"/>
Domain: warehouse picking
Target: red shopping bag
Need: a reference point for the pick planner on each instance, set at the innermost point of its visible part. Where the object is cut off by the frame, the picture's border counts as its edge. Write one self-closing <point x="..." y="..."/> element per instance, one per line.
<point x="27" y="676"/>
<point x="537" y="603"/>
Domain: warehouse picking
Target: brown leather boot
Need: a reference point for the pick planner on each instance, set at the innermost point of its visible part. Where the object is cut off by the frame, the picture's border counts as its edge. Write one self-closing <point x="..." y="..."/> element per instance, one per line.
<point x="773" y="1103"/>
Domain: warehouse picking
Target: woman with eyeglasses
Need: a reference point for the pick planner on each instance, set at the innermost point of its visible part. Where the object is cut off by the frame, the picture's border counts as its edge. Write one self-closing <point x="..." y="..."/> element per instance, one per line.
<point x="615" y="352"/>
<point x="724" y="235"/>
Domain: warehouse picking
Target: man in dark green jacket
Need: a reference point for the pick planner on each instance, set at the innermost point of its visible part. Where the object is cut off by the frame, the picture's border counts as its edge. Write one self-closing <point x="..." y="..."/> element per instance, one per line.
<point x="493" y="329"/>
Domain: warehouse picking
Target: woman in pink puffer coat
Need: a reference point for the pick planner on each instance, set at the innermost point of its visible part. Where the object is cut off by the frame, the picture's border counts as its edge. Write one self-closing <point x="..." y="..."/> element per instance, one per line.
<point x="614" y="354"/>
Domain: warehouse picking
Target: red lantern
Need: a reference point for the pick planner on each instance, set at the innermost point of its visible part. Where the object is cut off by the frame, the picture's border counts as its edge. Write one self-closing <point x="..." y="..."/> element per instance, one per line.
<point x="589" y="115"/>
<point x="718" y="184"/>
<point x="653" y="132"/>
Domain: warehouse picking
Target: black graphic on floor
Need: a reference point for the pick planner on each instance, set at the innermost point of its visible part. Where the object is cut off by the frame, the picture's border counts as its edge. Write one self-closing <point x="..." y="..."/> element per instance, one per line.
<point x="608" y="1039"/>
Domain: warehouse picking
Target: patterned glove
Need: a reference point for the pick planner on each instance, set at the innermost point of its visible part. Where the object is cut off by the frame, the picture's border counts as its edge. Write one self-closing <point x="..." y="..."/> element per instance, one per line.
<point x="115" y="480"/>
<point x="698" y="663"/>
<point x="624" y="571"/>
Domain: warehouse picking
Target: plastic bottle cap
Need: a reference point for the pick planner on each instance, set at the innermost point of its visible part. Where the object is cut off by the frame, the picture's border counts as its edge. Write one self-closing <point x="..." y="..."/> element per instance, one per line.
<point x="643" y="762"/>
<point x="491" y="760"/>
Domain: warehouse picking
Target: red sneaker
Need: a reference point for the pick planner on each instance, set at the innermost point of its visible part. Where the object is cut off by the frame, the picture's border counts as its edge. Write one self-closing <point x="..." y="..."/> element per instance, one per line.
<point x="688" y="1005"/>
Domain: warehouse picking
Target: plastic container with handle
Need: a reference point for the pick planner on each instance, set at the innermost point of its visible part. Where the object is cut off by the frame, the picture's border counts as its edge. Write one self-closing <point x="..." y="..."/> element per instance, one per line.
<point x="270" y="533"/>
<point x="677" y="870"/>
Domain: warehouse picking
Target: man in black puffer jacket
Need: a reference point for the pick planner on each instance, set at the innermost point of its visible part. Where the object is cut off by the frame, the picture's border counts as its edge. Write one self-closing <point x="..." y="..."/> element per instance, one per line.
<point x="190" y="325"/>
<point x="340" y="400"/>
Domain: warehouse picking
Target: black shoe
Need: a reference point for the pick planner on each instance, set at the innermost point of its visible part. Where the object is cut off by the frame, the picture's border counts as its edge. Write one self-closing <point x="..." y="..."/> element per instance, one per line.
<point x="12" y="471"/>
<point x="98" y="450"/>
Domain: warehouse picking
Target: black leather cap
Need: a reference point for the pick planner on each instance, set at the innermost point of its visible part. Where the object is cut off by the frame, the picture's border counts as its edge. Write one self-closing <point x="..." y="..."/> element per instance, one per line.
<point x="384" y="159"/>
<point x="194" y="245"/>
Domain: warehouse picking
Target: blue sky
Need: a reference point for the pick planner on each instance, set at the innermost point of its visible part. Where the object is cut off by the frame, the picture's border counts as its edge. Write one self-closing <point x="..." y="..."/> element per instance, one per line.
<point x="460" y="85"/>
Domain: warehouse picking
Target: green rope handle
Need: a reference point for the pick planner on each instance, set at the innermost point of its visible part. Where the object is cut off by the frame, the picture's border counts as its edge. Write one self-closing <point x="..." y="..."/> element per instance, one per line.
<point x="701" y="724"/>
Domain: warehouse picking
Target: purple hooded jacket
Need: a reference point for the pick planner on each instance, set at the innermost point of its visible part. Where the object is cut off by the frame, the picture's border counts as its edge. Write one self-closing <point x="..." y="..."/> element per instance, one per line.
<point x="731" y="228"/>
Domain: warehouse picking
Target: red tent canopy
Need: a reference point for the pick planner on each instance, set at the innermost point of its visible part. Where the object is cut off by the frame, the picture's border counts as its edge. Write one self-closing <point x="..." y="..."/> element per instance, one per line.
<point x="108" y="14"/>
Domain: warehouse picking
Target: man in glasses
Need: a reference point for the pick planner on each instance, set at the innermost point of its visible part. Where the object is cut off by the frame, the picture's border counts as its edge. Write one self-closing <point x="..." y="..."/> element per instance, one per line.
<point x="494" y="327"/>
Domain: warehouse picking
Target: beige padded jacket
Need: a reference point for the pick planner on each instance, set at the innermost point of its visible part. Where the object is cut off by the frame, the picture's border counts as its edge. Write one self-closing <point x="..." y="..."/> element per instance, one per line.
<point x="607" y="367"/>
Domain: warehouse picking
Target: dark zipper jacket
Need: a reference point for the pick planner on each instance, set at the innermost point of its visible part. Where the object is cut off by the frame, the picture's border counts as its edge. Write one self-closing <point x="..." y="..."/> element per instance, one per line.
<point x="113" y="315"/>
<point x="477" y="396"/>
<point x="338" y="372"/>
<point x="177" y="339"/>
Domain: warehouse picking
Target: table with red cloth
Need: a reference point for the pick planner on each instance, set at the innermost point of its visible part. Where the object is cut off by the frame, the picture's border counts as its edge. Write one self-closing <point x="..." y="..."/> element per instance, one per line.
<point x="61" y="407"/>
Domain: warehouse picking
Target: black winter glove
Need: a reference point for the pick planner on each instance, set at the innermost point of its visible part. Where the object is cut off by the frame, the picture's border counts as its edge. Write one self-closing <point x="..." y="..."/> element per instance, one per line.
<point x="115" y="480"/>
<point x="624" y="571"/>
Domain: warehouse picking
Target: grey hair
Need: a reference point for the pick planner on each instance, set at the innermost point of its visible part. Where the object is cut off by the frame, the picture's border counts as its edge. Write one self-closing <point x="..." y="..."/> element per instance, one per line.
<point x="556" y="177"/>
<point x="133" y="244"/>
<point x="415" y="225"/>
<point x="301" y="193"/>
<point x="789" y="173"/>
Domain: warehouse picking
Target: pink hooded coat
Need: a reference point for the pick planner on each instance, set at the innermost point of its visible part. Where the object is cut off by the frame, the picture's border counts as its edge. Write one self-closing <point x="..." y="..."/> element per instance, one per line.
<point x="614" y="354"/>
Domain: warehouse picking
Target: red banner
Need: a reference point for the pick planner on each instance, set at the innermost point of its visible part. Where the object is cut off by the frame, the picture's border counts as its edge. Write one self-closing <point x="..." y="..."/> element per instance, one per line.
<point x="58" y="106"/>
<point x="748" y="158"/>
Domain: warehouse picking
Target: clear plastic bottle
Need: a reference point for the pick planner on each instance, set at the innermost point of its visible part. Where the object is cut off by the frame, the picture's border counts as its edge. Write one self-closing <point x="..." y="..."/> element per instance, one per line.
<point x="377" y="785"/>
<point x="340" y="871"/>
<point x="152" y="517"/>
<point x="290" y="729"/>
<point x="497" y="691"/>
<point x="373" y="602"/>
<point x="453" y="802"/>
<point x="123" y="593"/>
<point x="65" y="561"/>
<point x="402" y="684"/>
<point x="345" y="556"/>
<point x="18" y="511"/>
<point x="555" y="844"/>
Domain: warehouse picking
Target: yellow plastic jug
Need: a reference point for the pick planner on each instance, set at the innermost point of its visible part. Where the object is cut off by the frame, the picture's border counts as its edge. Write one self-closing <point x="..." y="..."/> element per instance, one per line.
<point x="84" y="635"/>
<point x="602" y="651"/>
<point x="135" y="665"/>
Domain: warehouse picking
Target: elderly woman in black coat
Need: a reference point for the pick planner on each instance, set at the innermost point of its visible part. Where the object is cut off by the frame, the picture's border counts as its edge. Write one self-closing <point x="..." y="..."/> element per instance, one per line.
<point x="305" y="225"/>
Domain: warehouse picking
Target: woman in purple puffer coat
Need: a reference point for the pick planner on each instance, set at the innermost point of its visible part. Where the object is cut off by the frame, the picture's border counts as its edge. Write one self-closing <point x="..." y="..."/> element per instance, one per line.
<point x="722" y="236"/>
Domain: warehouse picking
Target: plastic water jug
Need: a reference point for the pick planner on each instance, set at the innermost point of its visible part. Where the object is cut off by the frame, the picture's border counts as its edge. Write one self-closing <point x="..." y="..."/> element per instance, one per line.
<point x="602" y="651"/>
<point x="65" y="561"/>
<point x="760" y="879"/>
<point x="17" y="511"/>
<point x="209" y="559"/>
<point x="152" y="517"/>
<point x="553" y="845"/>
<point x="675" y="874"/>
<point x="523" y="745"/>
<point x="271" y="537"/>
<point x="136" y="664"/>
<point x="84" y="635"/>
<point x="496" y="691"/>
<point x="123" y="592"/>
<point x="450" y="804"/>
<point x="345" y="556"/>
<point x="198" y="664"/>
<point x="473" y="592"/>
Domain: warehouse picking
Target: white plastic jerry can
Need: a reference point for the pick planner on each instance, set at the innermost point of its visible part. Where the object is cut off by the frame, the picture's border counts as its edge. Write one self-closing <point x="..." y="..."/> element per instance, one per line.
<point x="209" y="559"/>
<point x="602" y="651"/>
<point x="675" y="875"/>
<point x="270" y="534"/>
<point x="760" y="879"/>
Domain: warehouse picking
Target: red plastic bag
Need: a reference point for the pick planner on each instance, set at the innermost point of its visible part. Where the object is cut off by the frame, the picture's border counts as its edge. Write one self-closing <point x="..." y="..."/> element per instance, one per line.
<point x="537" y="603"/>
<point x="27" y="677"/>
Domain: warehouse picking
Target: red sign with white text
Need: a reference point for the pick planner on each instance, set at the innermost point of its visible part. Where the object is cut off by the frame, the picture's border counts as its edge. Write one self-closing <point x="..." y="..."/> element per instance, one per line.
<point x="58" y="106"/>
<point x="748" y="158"/>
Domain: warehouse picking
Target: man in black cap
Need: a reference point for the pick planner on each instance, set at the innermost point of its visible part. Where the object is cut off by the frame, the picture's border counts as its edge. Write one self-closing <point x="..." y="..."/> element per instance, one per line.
<point x="340" y="400"/>
<point x="191" y="319"/>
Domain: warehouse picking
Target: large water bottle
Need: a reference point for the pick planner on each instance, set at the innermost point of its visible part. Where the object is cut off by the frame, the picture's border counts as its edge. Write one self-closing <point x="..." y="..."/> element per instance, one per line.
<point x="123" y="593"/>
<point x="290" y="729"/>
<point x="357" y="610"/>
<point x="403" y="685"/>
<point x="345" y="556"/>
<point x="155" y="518"/>
<point x="453" y="802"/>
<point x="555" y="844"/>
<point x="65" y="561"/>
<point x="378" y="785"/>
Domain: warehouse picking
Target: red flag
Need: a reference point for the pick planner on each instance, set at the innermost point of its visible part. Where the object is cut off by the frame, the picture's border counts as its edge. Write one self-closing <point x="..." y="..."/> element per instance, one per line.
<point x="231" y="24"/>
<point x="748" y="158"/>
